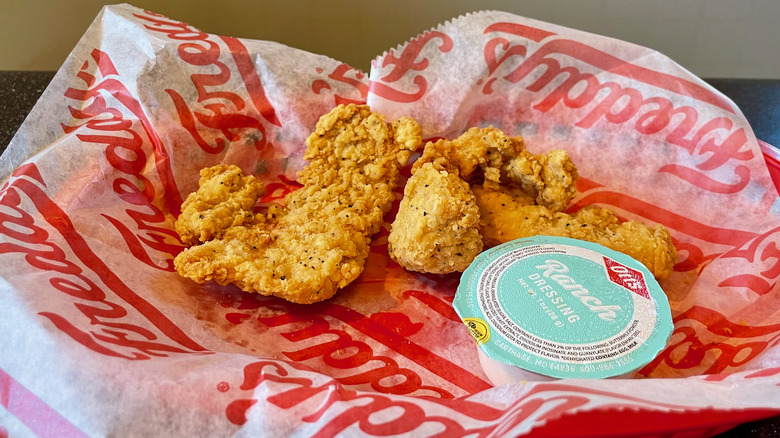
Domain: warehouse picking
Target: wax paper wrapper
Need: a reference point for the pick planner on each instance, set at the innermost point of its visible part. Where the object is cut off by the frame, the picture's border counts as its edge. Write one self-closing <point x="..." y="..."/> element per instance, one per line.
<point x="100" y="337"/>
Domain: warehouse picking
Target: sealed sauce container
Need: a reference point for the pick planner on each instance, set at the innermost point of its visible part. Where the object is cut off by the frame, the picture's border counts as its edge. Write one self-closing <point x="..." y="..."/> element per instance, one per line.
<point x="546" y="307"/>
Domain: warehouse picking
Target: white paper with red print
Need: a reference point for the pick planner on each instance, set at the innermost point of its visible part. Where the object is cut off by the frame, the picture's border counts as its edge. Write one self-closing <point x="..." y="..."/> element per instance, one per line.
<point x="101" y="337"/>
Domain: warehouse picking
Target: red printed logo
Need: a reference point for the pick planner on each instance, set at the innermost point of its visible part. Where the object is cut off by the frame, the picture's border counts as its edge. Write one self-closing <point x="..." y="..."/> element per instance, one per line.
<point x="100" y="116"/>
<point x="339" y="76"/>
<point x="326" y="408"/>
<point x="719" y="146"/>
<point x="112" y="318"/>
<point x="629" y="278"/>
<point x="220" y="115"/>
<point x="319" y="327"/>
<point x="408" y="60"/>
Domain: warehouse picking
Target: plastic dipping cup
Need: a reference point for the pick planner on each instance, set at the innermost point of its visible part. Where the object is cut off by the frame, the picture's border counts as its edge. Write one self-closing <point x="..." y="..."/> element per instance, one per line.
<point x="544" y="308"/>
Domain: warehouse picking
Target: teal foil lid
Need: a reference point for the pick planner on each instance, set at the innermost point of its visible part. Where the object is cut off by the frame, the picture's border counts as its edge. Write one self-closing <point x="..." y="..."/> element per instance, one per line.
<point x="564" y="308"/>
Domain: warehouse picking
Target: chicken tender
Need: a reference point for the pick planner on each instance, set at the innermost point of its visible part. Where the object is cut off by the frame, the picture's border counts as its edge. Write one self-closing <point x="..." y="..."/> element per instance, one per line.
<point x="319" y="240"/>
<point x="552" y="181"/>
<point x="436" y="229"/>
<point x="436" y="226"/>
<point x="507" y="215"/>
<point x="498" y="159"/>
<point x="226" y="199"/>
<point x="517" y="194"/>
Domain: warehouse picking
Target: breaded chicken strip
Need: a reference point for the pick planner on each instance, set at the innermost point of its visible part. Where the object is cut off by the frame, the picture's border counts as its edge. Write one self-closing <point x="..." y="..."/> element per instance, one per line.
<point x="509" y="214"/>
<point x="319" y="241"/>
<point x="225" y="199"/>
<point x="495" y="159"/>
<point x="436" y="228"/>
<point x="517" y="194"/>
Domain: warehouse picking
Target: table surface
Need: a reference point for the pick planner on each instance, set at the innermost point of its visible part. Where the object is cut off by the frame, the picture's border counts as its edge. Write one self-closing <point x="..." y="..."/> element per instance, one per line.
<point x="759" y="100"/>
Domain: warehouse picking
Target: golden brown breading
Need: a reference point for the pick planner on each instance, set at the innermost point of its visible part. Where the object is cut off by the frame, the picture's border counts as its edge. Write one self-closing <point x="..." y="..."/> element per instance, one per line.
<point x="517" y="194"/>
<point x="436" y="226"/>
<point x="553" y="185"/>
<point x="225" y="199"/>
<point x="318" y="242"/>
<point x="500" y="159"/>
<point x="507" y="215"/>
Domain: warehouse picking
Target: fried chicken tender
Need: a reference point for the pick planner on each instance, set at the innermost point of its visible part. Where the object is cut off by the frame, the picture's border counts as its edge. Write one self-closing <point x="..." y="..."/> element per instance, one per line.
<point x="436" y="226"/>
<point x="487" y="177"/>
<point x="489" y="154"/>
<point x="436" y="229"/>
<point x="318" y="242"/>
<point x="226" y="199"/>
<point x="507" y="214"/>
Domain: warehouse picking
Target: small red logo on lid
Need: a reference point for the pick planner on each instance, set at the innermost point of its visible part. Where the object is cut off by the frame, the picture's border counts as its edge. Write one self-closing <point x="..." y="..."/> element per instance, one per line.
<point x="629" y="278"/>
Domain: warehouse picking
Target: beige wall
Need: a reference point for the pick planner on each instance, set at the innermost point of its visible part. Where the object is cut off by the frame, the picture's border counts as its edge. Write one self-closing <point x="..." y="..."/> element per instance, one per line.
<point x="712" y="38"/>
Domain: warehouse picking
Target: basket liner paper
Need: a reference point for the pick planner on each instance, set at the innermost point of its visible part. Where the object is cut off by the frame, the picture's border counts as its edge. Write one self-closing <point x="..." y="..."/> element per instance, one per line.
<point x="101" y="337"/>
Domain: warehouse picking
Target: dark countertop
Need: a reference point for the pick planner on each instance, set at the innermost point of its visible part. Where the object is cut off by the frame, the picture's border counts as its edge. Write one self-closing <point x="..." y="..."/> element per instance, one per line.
<point x="19" y="90"/>
<point x="758" y="99"/>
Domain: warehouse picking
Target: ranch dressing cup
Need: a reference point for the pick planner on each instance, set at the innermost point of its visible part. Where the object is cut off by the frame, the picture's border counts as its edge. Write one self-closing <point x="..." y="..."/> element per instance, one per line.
<point x="544" y="308"/>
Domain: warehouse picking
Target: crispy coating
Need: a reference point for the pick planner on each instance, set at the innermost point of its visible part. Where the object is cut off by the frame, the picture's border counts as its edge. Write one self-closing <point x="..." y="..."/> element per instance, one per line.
<point x="226" y="199"/>
<point x="498" y="159"/>
<point x="552" y="181"/>
<point x="436" y="229"/>
<point x="507" y="215"/>
<point x="436" y="226"/>
<point x="319" y="241"/>
<point x="517" y="194"/>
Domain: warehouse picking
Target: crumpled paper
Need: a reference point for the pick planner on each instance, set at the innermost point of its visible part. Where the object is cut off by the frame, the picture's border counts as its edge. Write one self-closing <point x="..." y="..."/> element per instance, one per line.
<point x="102" y="338"/>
